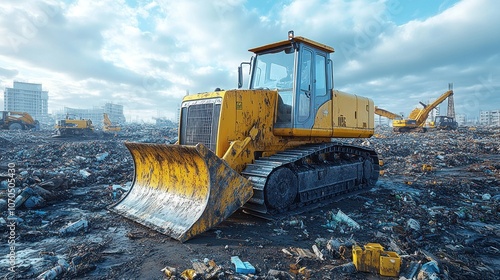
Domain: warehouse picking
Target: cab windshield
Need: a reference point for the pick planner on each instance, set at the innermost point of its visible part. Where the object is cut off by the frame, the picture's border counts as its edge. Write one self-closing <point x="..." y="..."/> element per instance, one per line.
<point x="274" y="69"/>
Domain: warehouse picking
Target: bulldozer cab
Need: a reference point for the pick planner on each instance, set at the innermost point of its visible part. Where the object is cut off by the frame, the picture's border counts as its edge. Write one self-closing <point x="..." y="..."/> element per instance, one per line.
<point x="301" y="71"/>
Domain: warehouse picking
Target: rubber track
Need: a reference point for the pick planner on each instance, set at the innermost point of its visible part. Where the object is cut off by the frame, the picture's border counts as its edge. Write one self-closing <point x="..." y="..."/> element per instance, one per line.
<point x="259" y="171"/>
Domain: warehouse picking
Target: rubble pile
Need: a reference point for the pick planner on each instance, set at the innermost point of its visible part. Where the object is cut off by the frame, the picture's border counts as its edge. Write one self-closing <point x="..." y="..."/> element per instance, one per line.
<point x="149" y="133"/>
<point x="406" y="153"/>
<point x="436" y="207"/>
<point x="54" y="167"/>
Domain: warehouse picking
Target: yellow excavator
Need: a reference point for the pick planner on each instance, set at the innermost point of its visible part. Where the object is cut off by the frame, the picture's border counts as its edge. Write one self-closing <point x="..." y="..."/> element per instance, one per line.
<point x="108" y="126"/>
<point x="266" y="150"/>
<point x="13" y="120"/>
<point x="417" y="118"/>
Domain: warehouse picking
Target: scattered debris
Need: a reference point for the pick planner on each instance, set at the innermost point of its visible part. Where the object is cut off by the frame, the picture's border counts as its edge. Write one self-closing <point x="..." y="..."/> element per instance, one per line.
<point x="242" y="267"/>
<point x="74" y="227"/>
<point x="54" y="272"/>
<point x="429" y="271"/>
<point x="442" y="222"/>
<point x="342" y="218"/>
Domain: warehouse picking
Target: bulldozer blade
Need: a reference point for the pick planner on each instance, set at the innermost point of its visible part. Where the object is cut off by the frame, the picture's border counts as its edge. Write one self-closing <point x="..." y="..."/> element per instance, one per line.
<point x="181" y="191"/>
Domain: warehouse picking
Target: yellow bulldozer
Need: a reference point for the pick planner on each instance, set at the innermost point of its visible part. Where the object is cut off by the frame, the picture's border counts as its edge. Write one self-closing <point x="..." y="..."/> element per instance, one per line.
<point x="73" y="126"/>
<point x="266" y="150"/>
<point x="17" y="121"/>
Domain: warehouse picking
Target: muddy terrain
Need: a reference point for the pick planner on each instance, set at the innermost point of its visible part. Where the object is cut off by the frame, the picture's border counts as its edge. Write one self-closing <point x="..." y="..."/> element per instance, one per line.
<point x="436" y="205"/>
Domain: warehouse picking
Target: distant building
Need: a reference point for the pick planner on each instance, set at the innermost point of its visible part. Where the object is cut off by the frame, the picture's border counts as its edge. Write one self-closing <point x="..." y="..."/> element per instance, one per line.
<point x="461" y="119"/>
<point x="164" y="122"/>
<point x="115" y="112"/>
<point x="489" y="118"/>
<point x="27" y="97"/>
<point x="433" y="113"/>
<point x="96" y="114"/>
<point x="382" y="121"/>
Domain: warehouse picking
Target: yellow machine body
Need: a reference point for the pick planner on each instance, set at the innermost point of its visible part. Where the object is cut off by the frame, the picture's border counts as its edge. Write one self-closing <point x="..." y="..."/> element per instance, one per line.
<point x="72" y="127"/>
<point x="187" y="188"/>
<point x="182" y="191"/>
<point x="17" y="120"/>
<point x="108" y="126"/>
<point x="417" y="119"/>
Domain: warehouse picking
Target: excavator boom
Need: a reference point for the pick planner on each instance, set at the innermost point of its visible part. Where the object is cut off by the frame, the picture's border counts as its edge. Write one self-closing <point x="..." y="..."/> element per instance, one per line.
<point x="108" y="125"/>
<point x="387" y="114"/>
<point x="424" y="113"/>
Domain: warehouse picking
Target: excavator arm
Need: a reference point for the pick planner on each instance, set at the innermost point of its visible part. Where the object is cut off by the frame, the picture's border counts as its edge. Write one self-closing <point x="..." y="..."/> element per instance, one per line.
<point x="108" y="125"/>
<point x="416" y="119"/>
<point x="424" y="113"/>
<point x="387" y="114"/>
<point x="25" y="117"/>
<point x="17" y="120"/>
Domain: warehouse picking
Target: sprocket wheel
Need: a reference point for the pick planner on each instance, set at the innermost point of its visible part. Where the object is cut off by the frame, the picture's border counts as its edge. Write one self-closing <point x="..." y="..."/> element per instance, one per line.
<point x="281" y="189"/>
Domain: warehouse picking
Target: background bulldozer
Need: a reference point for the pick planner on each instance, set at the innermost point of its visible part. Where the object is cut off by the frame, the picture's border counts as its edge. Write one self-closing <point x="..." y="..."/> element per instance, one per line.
<point x="72" y="126"/>
<point x="266" y="149"/>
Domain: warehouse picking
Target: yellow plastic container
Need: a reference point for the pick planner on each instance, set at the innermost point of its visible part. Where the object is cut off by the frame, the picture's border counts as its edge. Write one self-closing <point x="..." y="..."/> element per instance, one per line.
<point x="375" y="260"/>
<point x="369" y="259"/>
<point x="427" y="168"/>
<point x="390" y="263"/>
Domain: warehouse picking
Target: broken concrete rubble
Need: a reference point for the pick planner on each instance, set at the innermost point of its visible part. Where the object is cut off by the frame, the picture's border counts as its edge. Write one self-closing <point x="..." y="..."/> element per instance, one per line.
<point x="448" y="215"/>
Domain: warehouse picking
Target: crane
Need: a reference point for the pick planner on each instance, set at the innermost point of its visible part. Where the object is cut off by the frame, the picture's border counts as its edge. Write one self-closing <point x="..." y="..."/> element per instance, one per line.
<point x="447" y="122"/>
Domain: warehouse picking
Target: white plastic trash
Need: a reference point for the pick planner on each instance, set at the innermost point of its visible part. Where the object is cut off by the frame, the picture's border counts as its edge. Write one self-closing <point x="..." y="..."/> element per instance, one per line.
<point x="342" y="217"/>
<point x="81" y="224"/>
<point x="84" y="173"/>
<point x="102" y="156"/>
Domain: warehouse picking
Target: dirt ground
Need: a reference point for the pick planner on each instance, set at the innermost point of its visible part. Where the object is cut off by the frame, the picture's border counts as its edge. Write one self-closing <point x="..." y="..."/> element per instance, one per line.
<point x="448" y="213"/>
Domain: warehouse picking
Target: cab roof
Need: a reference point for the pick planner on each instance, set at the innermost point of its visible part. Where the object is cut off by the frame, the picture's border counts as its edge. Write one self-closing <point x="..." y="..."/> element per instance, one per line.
<point x="312" y="43"/>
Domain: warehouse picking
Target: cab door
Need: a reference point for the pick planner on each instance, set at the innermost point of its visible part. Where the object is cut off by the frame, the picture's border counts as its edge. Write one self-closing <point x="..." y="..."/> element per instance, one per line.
<point x="312" y="86"/>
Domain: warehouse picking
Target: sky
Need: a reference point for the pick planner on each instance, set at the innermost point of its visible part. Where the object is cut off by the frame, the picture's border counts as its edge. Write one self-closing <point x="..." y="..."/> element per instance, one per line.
<point x="147" y="54"/>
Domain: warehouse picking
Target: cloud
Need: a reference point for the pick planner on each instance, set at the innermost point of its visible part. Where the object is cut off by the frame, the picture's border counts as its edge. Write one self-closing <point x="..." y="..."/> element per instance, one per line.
<point x="419" y="59"/>
<point x="148" y="54"/>
<point x="8" y="73"/>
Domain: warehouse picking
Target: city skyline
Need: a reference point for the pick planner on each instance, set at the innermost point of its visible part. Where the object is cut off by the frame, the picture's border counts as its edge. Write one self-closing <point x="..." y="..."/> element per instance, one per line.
<point x="32" y="99"/>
